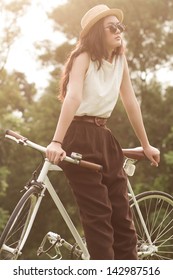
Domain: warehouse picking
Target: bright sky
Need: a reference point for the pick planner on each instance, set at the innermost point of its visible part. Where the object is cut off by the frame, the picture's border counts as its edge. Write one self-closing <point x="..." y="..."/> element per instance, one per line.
<point x="35" y="27"/>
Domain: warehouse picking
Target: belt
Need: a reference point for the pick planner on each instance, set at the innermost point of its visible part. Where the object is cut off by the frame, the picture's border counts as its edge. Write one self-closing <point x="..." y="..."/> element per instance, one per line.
<point x="91" y="119"/>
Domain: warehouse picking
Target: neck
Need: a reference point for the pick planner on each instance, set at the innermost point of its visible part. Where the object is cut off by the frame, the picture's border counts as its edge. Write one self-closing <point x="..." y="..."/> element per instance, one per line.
<point x="110" y="56"/>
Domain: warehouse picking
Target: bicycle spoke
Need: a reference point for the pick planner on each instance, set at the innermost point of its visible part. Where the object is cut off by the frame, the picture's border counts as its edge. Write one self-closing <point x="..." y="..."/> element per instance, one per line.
<point x="17" y="226"/>
<point x="140" y="231"/>
<point x="155" y="216"/>
<point x="147" y="207"/>
<point x="157" y="211"/>
<point x="17" y="229"/>
<point x="161" y="257"/>
<point x="161" y="225"/>
<point x="164" y="231"/>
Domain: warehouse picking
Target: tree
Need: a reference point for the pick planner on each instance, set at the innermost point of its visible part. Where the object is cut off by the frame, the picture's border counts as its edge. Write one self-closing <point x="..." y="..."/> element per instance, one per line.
<point x="3" y="186"/>
<point x="149" y="47"/>
<point x="10" y="30"/>
<point x="15" y="96"/>
<point x="148" y="25"/>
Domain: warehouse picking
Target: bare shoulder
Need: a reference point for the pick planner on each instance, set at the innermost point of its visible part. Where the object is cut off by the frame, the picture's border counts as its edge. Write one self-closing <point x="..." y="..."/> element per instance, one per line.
<point x="82" y="60"/>
<point x="79" y="67"/>
<point x="84" y="56"/>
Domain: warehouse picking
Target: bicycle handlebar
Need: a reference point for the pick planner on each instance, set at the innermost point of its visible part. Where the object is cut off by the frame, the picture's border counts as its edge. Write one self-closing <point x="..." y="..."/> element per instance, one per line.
<point x="15" y="135"/>
<point x="134" y="153"/>
<point x="23" y="140"/>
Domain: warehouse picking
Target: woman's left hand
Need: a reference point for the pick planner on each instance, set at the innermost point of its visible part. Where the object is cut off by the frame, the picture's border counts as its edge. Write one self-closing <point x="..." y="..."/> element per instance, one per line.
<point x="153" y="154"/>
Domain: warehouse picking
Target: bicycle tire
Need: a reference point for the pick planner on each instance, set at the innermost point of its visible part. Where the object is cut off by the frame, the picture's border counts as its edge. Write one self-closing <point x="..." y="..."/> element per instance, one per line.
<point x="157" y="210"/>
<point x="18" y="227"/>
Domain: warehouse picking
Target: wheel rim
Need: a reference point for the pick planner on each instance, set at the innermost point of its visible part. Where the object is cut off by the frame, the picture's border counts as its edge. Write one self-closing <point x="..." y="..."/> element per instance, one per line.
<point x="12" y="243"/>
<point x="157" y="211"/>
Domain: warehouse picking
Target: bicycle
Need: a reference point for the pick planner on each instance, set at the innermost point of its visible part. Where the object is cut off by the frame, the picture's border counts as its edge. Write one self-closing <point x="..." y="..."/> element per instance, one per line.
<point x="152" y="213"/>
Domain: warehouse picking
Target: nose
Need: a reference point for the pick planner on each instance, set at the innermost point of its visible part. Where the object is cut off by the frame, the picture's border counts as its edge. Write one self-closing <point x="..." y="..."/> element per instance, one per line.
<point x="118" y="30"/>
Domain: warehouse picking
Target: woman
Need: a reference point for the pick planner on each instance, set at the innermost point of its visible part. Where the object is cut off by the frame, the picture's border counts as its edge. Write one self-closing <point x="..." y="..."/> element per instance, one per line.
<point x="95" y="73"/>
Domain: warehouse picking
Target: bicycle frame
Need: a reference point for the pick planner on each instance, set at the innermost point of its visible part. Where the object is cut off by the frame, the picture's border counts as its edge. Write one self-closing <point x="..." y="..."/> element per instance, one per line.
<point x="47" y="185"/>
<point x="129" y="168"/>
<point x="44" y="182"/>
<point x="139" y="212"/>
<point x="44" y="178"/>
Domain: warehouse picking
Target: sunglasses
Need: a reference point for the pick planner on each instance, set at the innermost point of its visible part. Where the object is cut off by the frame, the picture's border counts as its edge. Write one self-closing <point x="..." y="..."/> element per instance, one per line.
<point x="114" y="28"/>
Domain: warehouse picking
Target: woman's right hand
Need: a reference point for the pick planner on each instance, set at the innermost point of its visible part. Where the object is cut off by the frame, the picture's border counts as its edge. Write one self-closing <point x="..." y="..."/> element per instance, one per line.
<point x="55" y="153"/>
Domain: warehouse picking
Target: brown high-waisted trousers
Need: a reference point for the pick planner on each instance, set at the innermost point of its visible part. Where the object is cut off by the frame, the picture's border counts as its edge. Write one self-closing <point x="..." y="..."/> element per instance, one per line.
<point x="101" y="196"/>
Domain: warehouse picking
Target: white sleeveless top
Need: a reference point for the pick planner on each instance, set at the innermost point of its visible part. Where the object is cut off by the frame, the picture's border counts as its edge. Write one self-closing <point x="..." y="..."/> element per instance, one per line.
<point x="101" y="88"/>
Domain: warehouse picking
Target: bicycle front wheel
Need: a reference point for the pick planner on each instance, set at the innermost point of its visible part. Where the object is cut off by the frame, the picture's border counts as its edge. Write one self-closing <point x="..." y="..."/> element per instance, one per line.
<point x="157" y="210"/>
<point x="18" y="226"/>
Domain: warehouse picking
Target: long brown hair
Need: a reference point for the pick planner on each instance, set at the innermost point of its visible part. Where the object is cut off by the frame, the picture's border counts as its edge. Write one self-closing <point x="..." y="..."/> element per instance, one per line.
<point x="94" y="44"/>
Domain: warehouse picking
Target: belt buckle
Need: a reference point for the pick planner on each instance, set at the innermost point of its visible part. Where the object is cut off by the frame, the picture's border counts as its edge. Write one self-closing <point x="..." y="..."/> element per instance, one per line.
<point x="99" y="121"/>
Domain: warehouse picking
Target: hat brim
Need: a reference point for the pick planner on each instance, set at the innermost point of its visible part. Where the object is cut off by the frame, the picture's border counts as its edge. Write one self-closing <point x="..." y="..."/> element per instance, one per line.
<point x="112" y="12"/>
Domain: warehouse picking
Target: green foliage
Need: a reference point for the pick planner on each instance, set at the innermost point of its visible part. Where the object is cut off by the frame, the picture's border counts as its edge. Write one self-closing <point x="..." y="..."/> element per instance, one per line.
<point x="15" y="95"/>
<point x="149" y="45"/>
<point x="3" y="187"/>
<point x="169" y="158"/>
<point x="4" y="217"/>
<point x="10" y="13"/>
<point x="4" y="172"/>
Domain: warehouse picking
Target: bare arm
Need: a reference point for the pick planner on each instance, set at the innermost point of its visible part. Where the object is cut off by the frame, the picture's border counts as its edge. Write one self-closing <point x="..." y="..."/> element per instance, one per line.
<point x="133" y="110"/>
<point x="70" y="105"/>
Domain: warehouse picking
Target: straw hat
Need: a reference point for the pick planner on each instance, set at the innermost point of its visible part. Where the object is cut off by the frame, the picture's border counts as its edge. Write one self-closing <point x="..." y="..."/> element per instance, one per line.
<point x="95" y="14"/>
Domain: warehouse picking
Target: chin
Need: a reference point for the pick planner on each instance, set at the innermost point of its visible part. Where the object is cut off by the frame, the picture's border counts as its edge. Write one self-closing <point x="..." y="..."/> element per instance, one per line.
<point x="117" y="46"/>
<point x="119" y="43"/>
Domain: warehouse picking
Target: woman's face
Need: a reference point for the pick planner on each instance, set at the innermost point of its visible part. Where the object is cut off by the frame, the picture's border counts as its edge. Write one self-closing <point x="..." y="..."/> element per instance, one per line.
<point x="112" y="33"/>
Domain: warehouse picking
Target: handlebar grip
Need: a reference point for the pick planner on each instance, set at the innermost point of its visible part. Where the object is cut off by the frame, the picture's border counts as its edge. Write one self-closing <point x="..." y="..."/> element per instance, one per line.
<point x="94" y="166"/>
<point x="14" y="134"/>
<point x="82" y="163"/>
